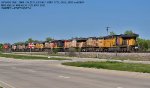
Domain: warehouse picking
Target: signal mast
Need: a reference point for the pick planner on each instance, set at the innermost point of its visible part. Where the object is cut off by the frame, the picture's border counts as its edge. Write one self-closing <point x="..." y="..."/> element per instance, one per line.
<point x="107" y="29"/>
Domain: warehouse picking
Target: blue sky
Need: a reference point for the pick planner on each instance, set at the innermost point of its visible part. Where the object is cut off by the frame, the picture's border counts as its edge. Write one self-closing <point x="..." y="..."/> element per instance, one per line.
<point x="82" y="20"/>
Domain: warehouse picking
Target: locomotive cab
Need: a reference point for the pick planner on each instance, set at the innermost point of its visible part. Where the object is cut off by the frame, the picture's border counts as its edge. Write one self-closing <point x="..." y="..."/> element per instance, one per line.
<point x="128" y="42"/>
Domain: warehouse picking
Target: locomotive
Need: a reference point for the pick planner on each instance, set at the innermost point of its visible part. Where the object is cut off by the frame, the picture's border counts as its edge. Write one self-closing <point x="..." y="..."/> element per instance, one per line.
<point x="110" y="43"/>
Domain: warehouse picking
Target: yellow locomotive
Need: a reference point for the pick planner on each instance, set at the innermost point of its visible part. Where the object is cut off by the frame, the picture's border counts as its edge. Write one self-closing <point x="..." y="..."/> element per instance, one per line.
<point x="121" y="42"/>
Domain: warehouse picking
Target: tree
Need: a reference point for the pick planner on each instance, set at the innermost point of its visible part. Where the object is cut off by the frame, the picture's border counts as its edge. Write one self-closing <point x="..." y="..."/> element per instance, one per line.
<point x="1" y="47"/>
<point x="148" y="43"/>
<point x="30" y="40"/>
<point x="143" y="44"/>
<point x="49" y="39"/>
<point x="112" y="33"/>
<point x="129" y="32"/>
<point x="36" y="41"/>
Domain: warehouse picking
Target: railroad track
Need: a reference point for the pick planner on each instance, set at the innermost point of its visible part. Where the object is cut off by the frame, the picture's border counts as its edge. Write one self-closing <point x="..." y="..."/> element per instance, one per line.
<point x="89" y="52"/>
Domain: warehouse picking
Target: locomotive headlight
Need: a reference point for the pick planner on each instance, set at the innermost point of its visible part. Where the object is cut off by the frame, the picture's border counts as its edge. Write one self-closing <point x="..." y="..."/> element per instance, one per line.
<point x="136" y="47"/>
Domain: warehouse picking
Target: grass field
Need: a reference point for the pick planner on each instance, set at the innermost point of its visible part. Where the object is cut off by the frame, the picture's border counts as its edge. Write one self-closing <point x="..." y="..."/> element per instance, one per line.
<point x="111" y="65"/>
<point x="29" y="57"/>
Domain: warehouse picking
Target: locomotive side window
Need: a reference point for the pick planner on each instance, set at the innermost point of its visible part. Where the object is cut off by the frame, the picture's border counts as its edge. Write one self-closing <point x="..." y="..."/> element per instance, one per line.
<point x="124" y="42"/>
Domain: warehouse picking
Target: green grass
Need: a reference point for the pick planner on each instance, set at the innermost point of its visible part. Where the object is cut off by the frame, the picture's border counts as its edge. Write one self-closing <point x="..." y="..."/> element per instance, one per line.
<point x="30" y="57"/>
<point x="111" y="65"/>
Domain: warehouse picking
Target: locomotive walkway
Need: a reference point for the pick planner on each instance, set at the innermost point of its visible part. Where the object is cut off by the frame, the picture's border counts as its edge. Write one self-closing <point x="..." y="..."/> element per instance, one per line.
<point x="50" y="74"/>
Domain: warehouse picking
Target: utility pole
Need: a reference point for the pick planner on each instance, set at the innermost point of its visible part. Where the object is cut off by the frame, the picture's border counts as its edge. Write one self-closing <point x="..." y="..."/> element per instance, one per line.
<point x="107" y="29"/>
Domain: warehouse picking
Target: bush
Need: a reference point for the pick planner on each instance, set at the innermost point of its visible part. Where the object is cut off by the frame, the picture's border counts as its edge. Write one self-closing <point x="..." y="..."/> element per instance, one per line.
<point x="143" y="44"/>
<point x="55" y="50"/>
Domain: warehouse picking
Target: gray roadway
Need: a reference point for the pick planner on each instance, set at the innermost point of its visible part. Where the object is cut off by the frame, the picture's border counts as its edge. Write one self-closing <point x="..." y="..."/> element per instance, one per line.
<point x="50" y="74"/>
